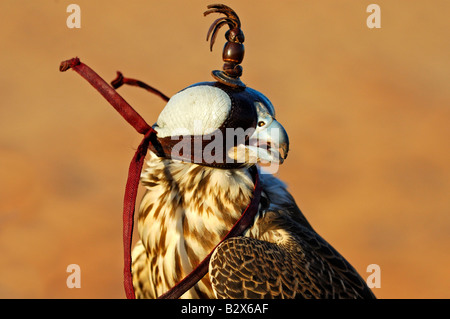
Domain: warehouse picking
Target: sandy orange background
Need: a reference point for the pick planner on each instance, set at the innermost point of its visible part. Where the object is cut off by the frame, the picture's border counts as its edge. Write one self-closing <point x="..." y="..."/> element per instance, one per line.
<point x="367" y="112"/>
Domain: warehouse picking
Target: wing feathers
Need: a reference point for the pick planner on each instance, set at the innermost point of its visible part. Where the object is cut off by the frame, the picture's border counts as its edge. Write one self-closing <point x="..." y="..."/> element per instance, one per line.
<point x="244" y="267"/>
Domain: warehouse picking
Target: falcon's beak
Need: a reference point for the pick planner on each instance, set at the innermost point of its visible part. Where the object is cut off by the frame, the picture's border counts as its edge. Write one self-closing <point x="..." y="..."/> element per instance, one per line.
<point x="271" y="144"/>
<point x="267" y="145"/>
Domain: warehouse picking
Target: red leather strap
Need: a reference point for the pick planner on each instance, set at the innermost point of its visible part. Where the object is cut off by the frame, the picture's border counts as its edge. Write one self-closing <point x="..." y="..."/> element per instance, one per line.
<point x="132" y="117"/>
<point x="111" y="95"/>
<point x="129" y="203"/>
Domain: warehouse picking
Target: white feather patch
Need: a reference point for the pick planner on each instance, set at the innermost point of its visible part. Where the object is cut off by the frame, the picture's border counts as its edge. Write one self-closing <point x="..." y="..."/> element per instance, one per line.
<point x="197" y="110"/>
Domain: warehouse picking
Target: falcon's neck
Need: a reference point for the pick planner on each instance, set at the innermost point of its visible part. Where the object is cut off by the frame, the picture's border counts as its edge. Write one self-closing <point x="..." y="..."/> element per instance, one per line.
<point x="186" y="210"/>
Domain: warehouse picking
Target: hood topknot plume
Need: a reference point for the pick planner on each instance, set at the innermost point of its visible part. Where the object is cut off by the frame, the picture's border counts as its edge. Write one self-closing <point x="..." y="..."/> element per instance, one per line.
<point x="233" y="51"/>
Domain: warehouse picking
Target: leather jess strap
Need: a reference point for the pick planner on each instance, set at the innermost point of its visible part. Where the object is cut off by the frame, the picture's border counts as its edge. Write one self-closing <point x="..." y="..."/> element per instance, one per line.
<point x="160" y="147"/>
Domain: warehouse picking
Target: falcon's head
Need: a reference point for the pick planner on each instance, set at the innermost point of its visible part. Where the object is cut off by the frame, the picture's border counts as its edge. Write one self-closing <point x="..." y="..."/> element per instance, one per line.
<point x="218" y="125"/>
<point x="222" y="124"/>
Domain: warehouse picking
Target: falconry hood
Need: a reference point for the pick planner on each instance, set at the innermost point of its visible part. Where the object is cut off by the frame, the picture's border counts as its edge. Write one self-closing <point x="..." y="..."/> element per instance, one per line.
<point x="222" y="123"/>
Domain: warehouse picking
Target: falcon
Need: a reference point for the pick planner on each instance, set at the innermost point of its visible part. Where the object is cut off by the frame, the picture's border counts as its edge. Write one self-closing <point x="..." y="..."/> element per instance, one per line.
<point x="199" y="182"/>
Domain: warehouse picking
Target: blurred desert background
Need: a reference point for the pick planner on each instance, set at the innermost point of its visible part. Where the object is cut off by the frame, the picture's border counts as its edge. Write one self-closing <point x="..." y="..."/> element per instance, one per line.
<point x="367" y="112"/>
